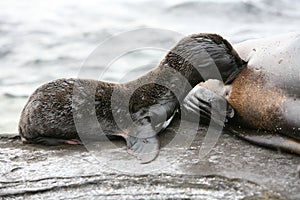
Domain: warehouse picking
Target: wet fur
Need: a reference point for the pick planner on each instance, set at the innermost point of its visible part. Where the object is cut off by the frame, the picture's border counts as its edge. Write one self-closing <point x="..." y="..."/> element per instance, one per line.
<point x="48" y="111"/>
<point x="54" y="115"/>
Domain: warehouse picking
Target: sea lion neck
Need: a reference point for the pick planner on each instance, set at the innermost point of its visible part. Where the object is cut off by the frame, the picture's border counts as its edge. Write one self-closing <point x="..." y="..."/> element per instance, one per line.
<point x="194" y="59"/>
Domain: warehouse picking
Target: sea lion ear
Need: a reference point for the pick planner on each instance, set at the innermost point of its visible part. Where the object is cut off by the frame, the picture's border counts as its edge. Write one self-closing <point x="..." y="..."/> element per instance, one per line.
<point x="145" y="149"/>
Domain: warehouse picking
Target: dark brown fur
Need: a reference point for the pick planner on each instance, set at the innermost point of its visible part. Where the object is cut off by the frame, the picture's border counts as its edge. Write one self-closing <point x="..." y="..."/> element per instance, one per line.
<point x="59" y="110"/>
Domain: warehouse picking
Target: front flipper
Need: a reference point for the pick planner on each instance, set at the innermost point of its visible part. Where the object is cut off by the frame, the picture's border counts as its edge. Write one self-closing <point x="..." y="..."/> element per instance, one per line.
<point x="202" y="103"/>
<point x="145" y="149"/>
<point x="141" y="137"/>
<point x="267" y="139"/>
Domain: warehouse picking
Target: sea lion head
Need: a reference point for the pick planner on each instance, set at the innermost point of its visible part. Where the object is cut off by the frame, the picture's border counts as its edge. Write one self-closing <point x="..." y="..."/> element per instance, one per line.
<point x="224" y="56"/>
<point x="208" y="56"/>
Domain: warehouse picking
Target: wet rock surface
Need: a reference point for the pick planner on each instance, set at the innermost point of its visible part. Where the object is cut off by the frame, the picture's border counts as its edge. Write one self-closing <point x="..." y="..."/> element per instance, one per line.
<point x="234" y="169"/>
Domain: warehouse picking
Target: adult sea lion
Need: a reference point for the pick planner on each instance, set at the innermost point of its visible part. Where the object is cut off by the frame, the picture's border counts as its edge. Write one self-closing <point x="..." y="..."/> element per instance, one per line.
<point x="265" y="95"/>
<point x="48" y="117"/>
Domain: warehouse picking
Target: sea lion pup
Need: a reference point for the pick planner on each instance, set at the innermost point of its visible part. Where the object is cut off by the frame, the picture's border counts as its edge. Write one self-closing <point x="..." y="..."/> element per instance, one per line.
<point x="265" y="95"/>
<point x="48" y="117"/>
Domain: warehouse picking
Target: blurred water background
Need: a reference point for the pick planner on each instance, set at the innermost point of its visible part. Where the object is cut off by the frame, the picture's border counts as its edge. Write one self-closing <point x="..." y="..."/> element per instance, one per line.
<point x="44" y="40"/>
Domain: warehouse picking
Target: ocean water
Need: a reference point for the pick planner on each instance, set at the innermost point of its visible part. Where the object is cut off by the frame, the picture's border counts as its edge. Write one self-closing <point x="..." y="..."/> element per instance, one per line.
<point x="45" y="40"/>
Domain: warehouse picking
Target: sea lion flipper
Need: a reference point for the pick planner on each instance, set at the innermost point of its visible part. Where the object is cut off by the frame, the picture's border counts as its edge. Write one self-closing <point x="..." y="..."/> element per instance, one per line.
<point x="206" y="104"/>
<point x="141" y="140"/>
<point x="267" y="139"/>
<point x="145" y="149"/>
